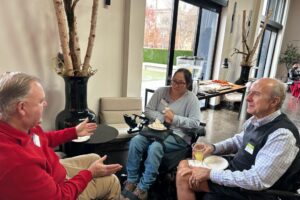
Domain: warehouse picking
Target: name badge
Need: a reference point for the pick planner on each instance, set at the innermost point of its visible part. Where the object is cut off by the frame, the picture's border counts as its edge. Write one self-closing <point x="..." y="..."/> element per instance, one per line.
<point x="249" y="148"/>
<point x="36" y="140"/>
<point x="164" y="102"/>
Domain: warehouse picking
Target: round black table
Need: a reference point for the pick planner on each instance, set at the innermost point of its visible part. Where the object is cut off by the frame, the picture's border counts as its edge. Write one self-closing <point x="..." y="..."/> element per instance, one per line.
<point x="102" y="134"/>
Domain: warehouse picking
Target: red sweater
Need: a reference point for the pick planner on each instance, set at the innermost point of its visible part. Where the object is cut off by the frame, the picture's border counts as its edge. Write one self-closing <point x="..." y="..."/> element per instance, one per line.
<point x="28" y="171"/>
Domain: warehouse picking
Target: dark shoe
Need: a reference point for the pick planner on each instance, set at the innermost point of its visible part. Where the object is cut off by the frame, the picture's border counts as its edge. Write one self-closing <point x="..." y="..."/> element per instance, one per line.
<point x="127" y="191"/>
<point x="141" y="194"/>
<point x="130" y="186"/>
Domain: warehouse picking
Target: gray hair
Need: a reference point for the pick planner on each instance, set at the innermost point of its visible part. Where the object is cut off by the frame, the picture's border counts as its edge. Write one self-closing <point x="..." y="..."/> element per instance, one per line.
<point x="279" y="90"/>
<point x="14" y="87"/>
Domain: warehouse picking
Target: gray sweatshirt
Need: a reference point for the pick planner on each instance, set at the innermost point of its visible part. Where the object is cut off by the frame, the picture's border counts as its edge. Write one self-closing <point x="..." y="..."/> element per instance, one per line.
<point x="186" y="110"/>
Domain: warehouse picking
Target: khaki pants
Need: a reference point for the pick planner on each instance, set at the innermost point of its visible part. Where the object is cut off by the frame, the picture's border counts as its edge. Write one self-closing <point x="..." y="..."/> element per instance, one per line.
<point x="107" y="187"/>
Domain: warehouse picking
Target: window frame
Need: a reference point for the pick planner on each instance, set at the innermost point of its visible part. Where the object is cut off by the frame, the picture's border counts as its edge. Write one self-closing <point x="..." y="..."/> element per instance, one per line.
<point x="212" y="5"/>
<point x="274" y="27"/>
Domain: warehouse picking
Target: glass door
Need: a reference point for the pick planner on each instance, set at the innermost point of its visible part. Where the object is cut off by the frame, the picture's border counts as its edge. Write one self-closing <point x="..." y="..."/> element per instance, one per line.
<point x="158" y="19"/>
<point x="194" y="33"/>
<point x="207" y="40"/>
<point x="178" y="33"/>
<point x="185" y="39"/>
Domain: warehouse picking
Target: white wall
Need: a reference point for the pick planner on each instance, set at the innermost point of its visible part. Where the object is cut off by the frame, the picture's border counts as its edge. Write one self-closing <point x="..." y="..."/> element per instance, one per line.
<point x="29" y="40"/>
<point x="292" y="27"/>
<point x="289" y="33"/>
<point x="233" y="39"/>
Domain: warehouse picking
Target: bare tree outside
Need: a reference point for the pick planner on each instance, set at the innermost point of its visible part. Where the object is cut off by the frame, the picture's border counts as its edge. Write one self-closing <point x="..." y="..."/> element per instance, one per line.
<point x="158" y="22"/>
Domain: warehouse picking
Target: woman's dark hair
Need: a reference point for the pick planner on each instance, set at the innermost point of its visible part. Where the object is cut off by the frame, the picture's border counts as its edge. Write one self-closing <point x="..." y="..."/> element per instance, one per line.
<point x="187" y="76"/>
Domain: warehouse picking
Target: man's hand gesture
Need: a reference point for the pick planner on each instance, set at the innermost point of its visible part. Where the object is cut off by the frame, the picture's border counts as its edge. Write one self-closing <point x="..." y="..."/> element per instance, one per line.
<point x="99" y="169"/>
<point x="85" y="128"/>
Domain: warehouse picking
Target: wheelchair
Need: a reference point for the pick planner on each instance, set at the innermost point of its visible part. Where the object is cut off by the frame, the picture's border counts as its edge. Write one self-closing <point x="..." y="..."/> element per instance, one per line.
<point x="166" y="179"/>
<point x="280" y="194"/>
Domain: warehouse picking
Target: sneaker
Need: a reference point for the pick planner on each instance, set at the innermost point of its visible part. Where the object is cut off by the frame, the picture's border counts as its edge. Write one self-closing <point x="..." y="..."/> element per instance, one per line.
<point x="141" y="194"/>
<point x="130" y="186"/>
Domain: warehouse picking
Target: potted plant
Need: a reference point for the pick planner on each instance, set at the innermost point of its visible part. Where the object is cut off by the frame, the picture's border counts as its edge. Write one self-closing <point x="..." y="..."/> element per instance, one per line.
<point x="248" y="50"/>
<point x="69" y="65"/>
<point x="289" y="56"/>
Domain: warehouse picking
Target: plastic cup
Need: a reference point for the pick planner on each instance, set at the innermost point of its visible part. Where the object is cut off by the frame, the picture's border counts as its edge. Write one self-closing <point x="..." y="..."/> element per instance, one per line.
<point x="198" y="150"/>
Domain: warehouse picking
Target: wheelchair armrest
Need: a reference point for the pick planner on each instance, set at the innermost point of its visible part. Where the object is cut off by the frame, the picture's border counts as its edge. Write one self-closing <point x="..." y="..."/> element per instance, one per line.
<point x="194" y="133"/>
<point x="282" y="193"/>
<point x="274" y="192"/>
<point x="203" y="124"/>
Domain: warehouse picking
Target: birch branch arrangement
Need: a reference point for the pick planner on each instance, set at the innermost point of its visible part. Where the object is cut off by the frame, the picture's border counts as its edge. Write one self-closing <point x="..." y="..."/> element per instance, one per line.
<point x="71" y="64"/>
<point x="247" y="51"/>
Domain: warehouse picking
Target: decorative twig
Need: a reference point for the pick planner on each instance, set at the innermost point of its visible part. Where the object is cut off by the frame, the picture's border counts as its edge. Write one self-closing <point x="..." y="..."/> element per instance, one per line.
<point x="74" y="40"/>
<point x="260" y="35"/>
<point x="237" y="51"/>
<point x="71" y="64"/>
<point x="247" y="52"/>
<point x="63" y="35"/>
<point x="244" y="37"/>
<point x="86" y="63"/>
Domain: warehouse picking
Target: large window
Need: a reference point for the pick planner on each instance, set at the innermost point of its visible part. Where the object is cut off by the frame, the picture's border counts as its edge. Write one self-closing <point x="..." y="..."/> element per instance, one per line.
<point x="207" y="41"/>
<point x="270" y="37"/>
<point x="179" y="33"/>
<point x="157" y="32"/>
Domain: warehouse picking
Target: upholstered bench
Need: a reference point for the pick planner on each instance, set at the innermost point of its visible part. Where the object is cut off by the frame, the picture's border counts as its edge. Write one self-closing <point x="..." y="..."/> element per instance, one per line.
<point x="112" y="109"/>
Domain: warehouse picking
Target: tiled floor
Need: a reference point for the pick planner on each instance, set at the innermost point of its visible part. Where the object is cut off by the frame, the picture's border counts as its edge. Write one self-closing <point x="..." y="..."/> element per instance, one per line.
<point x="224" y="123"/>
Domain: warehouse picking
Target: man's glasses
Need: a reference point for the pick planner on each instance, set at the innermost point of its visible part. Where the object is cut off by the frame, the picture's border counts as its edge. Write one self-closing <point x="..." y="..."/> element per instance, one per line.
<point x="179" y="83"/>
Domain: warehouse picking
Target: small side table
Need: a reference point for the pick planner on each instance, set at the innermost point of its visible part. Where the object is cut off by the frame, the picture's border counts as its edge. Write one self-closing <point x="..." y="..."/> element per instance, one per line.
<point x="102" y="134"/>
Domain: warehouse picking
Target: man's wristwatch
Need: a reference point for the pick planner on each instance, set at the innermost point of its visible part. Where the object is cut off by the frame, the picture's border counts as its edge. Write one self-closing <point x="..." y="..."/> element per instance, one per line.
<point x="214" y="148"/>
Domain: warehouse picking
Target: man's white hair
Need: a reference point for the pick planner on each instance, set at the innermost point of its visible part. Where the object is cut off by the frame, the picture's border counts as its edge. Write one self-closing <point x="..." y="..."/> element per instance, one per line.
<point x="14" y="87"/>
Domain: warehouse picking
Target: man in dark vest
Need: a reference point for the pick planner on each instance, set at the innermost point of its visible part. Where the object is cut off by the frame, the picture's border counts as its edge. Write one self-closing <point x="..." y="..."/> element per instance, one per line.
<point x="266" y="153"/>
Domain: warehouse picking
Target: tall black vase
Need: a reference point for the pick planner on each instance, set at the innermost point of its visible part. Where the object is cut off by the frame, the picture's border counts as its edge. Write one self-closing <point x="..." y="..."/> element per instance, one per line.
<point x="244" y="75"/>
<point x="76" y="109"/>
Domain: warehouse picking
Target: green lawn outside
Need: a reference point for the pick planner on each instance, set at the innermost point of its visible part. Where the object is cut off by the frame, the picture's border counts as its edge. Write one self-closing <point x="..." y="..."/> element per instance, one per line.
<point x="153" y="75"/>
<point x="161" y="55"/>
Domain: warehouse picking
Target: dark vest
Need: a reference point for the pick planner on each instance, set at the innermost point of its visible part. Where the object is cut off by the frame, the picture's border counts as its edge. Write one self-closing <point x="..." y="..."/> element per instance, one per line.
<point x="255" y="138"/>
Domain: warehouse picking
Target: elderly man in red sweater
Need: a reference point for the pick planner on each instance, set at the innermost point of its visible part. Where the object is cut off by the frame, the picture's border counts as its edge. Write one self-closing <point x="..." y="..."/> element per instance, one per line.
<point x="29" y="168"/>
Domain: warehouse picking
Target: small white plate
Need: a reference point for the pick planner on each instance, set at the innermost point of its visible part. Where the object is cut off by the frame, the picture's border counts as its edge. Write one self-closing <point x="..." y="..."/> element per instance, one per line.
<point x="82" y="139"/>
<point x="195" y="163"/>
<point x="211" y="162"/>
<point x="215" y="162"/>
<point x="157" y="129"/>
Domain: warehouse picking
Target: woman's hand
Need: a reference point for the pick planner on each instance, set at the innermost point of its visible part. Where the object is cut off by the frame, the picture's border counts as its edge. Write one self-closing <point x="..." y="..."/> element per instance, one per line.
<point x="169" y="115"/>
<point x="85" y="128"/>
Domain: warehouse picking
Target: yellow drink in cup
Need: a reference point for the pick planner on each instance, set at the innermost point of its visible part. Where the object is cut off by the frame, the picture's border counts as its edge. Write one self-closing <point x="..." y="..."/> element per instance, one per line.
<point x="198" y="150"/>
<point x="198" y="155"/>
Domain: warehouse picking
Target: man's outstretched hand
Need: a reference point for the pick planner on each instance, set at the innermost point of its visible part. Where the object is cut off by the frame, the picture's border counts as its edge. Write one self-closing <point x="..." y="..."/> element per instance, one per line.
<point x="99" y="169"/>
<point x="85" y="128"/>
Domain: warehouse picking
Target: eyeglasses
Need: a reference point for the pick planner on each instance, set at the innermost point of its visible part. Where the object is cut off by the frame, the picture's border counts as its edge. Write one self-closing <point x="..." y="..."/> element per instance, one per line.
<point x="179" y="83"/>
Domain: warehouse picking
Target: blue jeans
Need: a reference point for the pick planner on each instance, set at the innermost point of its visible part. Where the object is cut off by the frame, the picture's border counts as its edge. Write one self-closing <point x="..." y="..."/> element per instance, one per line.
<point x="155" y="152"/>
